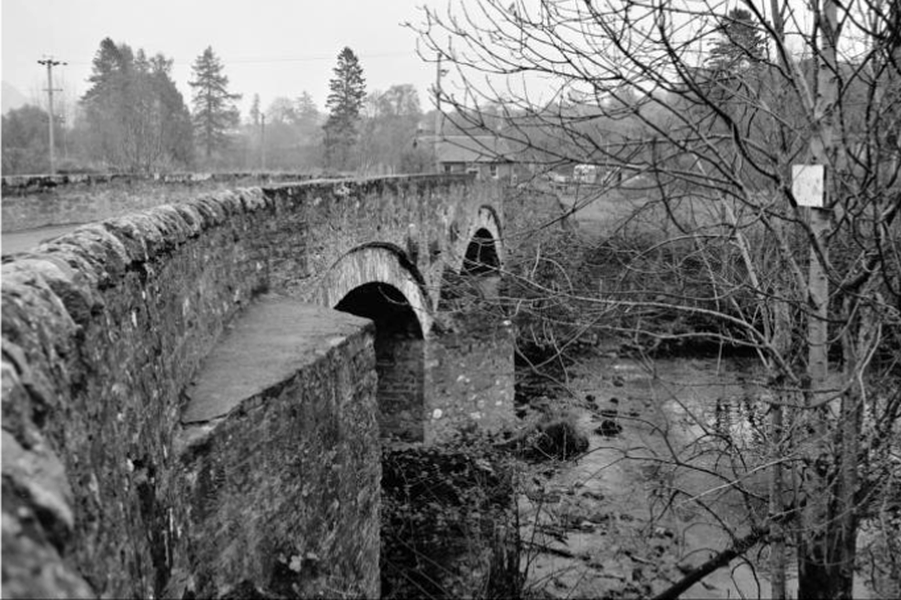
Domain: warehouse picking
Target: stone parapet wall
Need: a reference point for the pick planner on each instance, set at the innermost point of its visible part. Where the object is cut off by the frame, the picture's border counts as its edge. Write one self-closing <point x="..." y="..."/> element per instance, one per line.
<point x="103" y="330"/>
<point x="281" y="457"/>
<point x="318" y="223"/>
<point x="34" y="201"/>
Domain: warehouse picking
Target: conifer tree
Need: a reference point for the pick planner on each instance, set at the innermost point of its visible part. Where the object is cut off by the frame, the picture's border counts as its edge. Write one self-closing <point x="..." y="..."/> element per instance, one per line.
<point x="347" y="89"/>
<point x="214" y="106"/>
<point x="740" y="44"/>
<point x="136" y="118"/>
<point x="730" y="73"/>
<point x="255" y="111"/>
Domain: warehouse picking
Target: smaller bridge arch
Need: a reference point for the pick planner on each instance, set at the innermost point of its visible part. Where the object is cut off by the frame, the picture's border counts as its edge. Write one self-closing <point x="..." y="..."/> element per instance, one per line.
<point x="377" y="282"/>
<point x="482" y="247"/>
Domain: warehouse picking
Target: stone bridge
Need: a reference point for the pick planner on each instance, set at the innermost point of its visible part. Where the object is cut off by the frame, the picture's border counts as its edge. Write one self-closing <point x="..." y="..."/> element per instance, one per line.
<point x="192" y="403"/>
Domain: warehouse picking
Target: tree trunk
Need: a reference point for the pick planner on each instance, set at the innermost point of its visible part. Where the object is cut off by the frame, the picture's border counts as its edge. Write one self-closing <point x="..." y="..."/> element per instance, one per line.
<point x="777" y="509"/>
<point x="826" y="569"/>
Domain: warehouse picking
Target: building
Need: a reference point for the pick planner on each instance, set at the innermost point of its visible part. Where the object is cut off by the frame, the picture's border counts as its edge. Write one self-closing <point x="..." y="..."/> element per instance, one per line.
<point x="485" y="155"/>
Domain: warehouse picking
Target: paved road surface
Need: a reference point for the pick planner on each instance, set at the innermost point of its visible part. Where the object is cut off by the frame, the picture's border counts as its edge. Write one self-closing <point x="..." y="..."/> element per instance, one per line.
<point x="21" y="241"/>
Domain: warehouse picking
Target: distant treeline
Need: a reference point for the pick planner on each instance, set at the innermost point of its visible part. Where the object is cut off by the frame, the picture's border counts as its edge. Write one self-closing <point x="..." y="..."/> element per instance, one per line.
<point x="134" y="119"/>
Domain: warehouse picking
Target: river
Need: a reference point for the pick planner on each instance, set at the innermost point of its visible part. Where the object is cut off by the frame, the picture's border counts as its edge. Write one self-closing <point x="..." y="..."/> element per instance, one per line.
<point x="622" y="521"/>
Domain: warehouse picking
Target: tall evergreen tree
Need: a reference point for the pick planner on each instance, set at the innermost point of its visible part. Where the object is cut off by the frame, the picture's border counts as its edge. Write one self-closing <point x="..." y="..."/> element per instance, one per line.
<point x="347" y="89"/>
<point x="135" y="116"/>
<point x="106" y="102"/>
<point x="215" y="112"/>
<point x="740" y="44"/>
<point x="255" y="111"/>
<point x="175" y="128"/>
<point x="308" y="118"/>
<point x="732" y="69"/>
<point x="306" y="107"/>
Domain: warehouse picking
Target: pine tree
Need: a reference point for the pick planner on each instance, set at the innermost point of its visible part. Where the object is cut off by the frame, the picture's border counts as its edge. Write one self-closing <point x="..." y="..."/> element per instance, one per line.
<point x="305" y="108"/>
<point x="215" y="112"/>
<point x="255" y="111"/>
<point x="308" y="119"/>
<point x="109" y="65"/>
<point x="730" y="72"/>
<point x="176" y="129"/>
<point x="740" y="44"/>
<point x="346" y="92"/>
<point x="106" y="103"/>
<point x="136" y="118"/>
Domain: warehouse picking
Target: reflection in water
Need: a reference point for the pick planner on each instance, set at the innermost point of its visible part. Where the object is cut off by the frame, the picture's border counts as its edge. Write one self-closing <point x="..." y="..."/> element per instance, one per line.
<point x="636" y="513"/>
<point x="741" y="420"/>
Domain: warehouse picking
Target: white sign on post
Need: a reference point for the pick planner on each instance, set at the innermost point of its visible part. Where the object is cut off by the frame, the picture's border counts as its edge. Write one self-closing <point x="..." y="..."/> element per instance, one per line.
<point x="808" y="184"/>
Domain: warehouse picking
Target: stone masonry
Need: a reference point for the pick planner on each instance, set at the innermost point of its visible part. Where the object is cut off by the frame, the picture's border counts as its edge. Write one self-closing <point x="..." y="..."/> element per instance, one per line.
<point x="39" y="201"/>
<point x="105" y="329"/>
<point x="280" y="457"/>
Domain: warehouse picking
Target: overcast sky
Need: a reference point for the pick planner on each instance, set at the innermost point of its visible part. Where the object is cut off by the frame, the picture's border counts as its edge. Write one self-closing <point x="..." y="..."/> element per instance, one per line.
<point x="270" y="47"/>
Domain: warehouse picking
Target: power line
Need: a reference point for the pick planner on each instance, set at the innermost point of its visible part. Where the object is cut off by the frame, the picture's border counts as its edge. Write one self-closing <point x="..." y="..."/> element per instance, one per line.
<point x="280" y="59"/>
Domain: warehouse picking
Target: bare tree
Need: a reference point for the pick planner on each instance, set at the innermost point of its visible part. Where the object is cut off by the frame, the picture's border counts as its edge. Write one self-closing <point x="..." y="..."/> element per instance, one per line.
<point x="704" y="109"/>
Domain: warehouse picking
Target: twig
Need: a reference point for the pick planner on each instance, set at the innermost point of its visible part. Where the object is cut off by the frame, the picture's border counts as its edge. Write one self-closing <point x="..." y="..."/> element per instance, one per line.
<point x="558" y="551"/>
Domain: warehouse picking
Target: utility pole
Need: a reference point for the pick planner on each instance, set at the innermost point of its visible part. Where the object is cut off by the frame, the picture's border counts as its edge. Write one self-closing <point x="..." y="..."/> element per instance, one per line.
<point x="438" y="113"/>
<point x="50" y="63"/>
<point x="439" y="116"/>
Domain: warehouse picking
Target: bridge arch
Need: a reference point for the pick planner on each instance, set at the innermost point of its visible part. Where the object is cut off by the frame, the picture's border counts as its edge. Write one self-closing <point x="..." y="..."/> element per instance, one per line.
<point x="378" y="263"/>
<point x="377" y="282"/>
<point x="483" y="250"/>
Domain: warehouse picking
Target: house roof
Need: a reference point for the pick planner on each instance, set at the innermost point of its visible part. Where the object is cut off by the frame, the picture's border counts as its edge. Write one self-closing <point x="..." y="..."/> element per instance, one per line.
<point x="472" y="149"/>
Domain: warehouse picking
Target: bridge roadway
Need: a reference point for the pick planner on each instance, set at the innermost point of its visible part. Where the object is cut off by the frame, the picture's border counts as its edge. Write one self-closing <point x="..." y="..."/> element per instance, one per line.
<point x="15" y="242"/>
<point x="129" y="470"/>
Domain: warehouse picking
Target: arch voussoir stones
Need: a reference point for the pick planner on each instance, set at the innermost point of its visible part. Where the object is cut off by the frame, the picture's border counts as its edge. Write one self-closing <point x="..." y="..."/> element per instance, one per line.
<point x="378" y="263"/>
